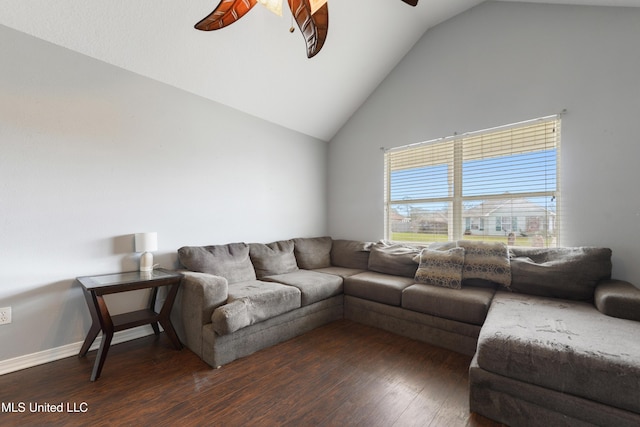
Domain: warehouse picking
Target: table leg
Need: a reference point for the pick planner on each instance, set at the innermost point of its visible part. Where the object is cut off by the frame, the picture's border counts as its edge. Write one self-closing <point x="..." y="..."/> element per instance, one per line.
<point x="152" y="306"/>
<point x="95" y="325"/>
<point x="165" y="314"/>
<point x="107" y="335"/>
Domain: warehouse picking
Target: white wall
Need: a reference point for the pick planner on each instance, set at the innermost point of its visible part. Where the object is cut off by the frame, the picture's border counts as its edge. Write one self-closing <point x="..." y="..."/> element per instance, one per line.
<point x="501" y="63"/>
<point x="90" y="154"/>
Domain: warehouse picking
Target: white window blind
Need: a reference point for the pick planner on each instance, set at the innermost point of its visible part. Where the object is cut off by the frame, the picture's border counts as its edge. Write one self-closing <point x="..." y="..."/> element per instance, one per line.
<point x="497" y="184"/>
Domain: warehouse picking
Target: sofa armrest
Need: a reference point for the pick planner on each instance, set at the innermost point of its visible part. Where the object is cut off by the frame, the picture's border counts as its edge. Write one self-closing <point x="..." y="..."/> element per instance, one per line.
<point x="202" y="293"/>
<point x="618" y="298"/>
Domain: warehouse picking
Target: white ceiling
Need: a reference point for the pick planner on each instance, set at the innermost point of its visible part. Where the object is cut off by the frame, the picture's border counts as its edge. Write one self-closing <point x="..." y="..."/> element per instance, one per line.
<point x="254" y="65"/>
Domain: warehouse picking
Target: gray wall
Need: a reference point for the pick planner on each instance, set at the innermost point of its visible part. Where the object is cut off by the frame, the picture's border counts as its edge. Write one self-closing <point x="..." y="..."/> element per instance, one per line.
<point x="90" y="154"/>
<point x="501" y="63"/>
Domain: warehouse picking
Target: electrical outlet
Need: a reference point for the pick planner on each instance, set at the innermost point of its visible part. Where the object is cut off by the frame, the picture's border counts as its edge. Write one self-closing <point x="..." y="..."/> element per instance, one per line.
<point x="5" y="315"/>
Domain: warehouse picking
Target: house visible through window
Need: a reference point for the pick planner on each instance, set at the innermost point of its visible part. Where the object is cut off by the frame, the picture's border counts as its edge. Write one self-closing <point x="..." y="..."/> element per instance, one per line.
<point x="499" y="184"/>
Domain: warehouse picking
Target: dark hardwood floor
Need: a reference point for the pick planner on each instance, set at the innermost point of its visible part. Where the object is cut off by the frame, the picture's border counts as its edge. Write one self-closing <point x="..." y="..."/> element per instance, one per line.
<point x="341" y="374"/>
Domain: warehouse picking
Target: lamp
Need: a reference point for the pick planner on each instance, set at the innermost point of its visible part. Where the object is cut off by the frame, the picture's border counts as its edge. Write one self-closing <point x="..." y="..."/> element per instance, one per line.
<point x="146" y="243"/>
<point x="274" y="6"/>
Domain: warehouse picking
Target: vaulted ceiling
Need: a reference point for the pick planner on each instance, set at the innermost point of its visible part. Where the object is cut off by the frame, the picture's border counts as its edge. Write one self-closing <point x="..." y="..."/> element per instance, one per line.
<point x="255" y="65"/>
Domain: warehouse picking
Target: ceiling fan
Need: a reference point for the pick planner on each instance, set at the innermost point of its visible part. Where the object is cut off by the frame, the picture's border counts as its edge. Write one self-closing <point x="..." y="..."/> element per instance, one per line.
<point x="312" y="17"/>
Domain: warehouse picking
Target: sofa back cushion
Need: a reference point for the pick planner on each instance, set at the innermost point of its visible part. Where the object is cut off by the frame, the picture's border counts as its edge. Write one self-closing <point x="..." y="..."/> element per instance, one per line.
<point x="313" y="252"/>
<point x="350" y="254"/>
<point x="569" y="273"/>
<point x="230" y="261"/>
<point x="273" y="258"/>
<point x="394" y="258"/>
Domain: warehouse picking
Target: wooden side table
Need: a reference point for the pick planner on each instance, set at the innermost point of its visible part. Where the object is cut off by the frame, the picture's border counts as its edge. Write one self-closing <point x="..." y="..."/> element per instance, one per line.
<point x="95" y="287"/>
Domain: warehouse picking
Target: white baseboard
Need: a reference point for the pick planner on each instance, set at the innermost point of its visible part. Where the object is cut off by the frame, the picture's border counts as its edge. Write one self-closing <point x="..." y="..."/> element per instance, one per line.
<point x="51" y="355"/>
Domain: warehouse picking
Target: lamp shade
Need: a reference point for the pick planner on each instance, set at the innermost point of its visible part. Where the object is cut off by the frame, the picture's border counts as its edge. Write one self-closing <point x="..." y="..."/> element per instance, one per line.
<point x="146" y="242"/>
<point x="274" y="6"/>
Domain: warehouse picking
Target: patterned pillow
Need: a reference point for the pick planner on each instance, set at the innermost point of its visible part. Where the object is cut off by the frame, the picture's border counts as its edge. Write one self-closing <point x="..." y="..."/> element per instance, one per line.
<point x="486" y="261"/>
<point x="441" y="268"/>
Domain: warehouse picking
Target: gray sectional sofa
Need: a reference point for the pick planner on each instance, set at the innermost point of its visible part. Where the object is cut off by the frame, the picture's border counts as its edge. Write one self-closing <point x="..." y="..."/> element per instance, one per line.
<point x="554" y="338"/>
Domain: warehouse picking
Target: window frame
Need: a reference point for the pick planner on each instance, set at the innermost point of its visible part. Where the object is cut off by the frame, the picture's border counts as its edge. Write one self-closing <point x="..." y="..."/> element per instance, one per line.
<point x="456" y="199"/>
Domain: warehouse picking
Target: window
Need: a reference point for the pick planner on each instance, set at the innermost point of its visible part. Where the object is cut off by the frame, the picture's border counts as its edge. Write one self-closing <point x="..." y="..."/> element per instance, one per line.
<point x="499" y="184"/>
<point x="506" y="223"/>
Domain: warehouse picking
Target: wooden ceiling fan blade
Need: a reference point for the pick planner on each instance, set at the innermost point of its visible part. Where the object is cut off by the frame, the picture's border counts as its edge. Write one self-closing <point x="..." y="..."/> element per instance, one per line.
<point x="314" y="27"/>
<point x="226" y="13"/>
<point x="411" y="2"/>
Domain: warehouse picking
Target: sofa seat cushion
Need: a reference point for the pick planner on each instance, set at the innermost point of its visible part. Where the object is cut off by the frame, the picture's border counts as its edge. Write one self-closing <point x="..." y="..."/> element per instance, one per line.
<point x="340" y="271"/>
<point x="563" y="345"/>
<point x="468" y="305"/>
<point x="252" y="302"/>
<point x="313" y="286"/>
<point x="378" y="287"/>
